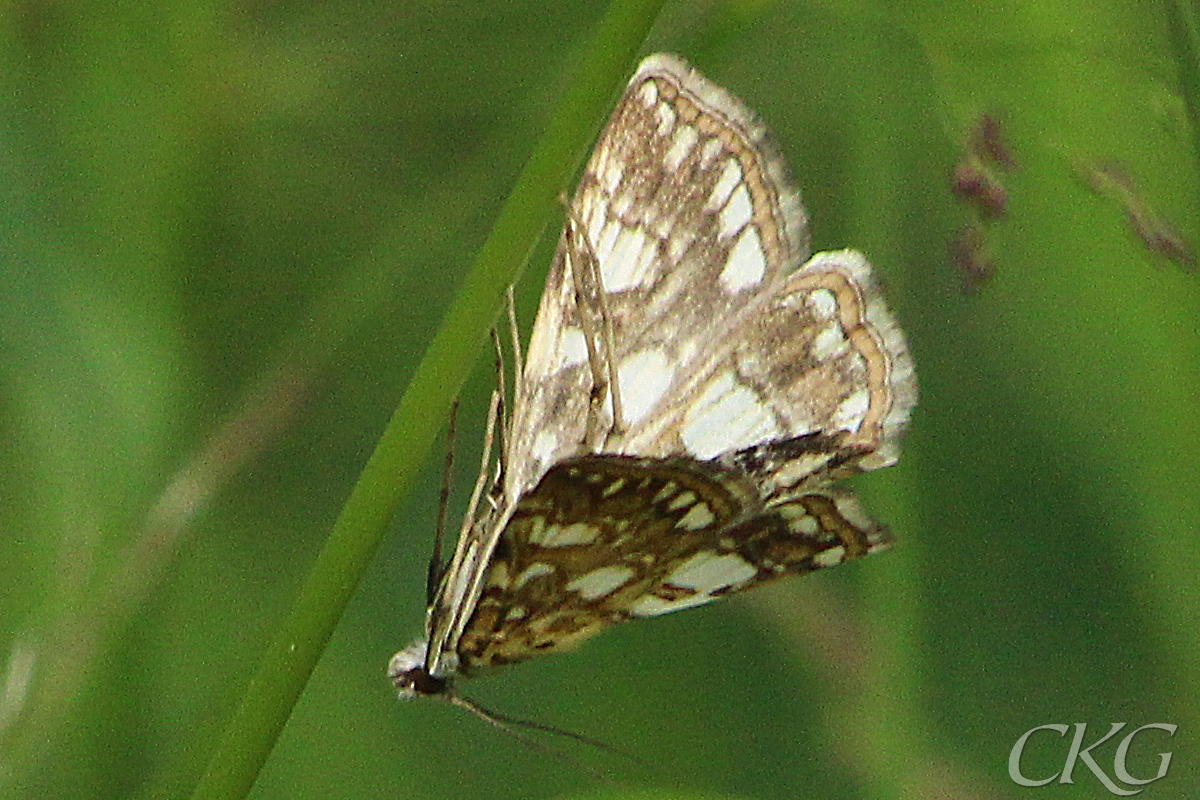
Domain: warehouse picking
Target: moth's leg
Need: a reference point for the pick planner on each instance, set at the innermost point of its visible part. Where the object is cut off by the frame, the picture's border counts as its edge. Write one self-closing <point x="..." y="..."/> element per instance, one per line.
<point x="519" y="391"/>
<point x="515" y="334"/>
<point x="577" y="254"/>
<point x="503" y="423"/>
<point x="596" y="324"/>
<point x="616" y="431"/>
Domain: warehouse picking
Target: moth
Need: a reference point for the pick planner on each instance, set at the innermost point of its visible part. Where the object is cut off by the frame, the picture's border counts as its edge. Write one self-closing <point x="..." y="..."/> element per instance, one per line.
<point x="695" y="386"/>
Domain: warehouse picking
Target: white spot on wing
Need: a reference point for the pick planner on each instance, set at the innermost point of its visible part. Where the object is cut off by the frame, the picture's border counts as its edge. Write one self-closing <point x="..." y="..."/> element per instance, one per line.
<point x="799" y="519"/>
<point x="614" y="487"/>
<point x="600" y="582"/>
<point x="699" y="516"/>
<point x="545" y="446"/>
<point x="831" y="557"/>
<point x="621" y="204"/>
<point x="737" y="212"/>
<point x="682" y="499"/>
<point x="822" y="303"/>
<point x="806" y="525"/>
<point x="651" y="606"/>
<point x="565" y="535"/>
<point x="572" y="349"/>
<point x="731" y="177"/>
<point x="666" y="118"/>
<point x="610" y="175"/>
<point x="829" y="342"/>
<point x="682" y="142"/>
<point x="746" y="263"/>
<point x="851" y="411"/>
<point x="706" y="572"/>
<point x="666" y="491"/>
<point x="644" y="377"/>
<point x="648" y="93"/>
<point x="607" y="239"/>
<point x="625" y="266"/>
<point x="532" y="571"/>
<point x="595" y="219"/>
<point x="853" y="513"/>
<point x="727" y="416"/>
<point x="797" y="469"/>
<point x="709" y="152"/>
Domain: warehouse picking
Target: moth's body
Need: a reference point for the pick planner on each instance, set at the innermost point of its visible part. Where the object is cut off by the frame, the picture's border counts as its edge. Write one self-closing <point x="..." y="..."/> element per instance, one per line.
<point x="694" y="386"/>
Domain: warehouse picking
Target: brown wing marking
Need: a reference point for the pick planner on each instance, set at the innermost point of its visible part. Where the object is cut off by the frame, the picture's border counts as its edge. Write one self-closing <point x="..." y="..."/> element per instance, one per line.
<point x="604" y="538"/>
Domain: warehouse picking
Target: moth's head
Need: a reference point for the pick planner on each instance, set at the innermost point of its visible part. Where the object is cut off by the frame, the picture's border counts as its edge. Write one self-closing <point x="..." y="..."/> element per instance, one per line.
<point x="408" y="672"/>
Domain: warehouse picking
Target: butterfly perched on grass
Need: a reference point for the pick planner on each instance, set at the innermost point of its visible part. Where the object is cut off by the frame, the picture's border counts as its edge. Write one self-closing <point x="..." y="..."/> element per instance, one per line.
<point x="695" y="386"/>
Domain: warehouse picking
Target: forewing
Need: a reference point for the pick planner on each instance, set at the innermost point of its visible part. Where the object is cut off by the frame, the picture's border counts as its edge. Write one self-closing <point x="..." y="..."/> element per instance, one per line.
<point x="687" y="215"/>
<point x="605" y="538"/>
<point x="722" y="340"/>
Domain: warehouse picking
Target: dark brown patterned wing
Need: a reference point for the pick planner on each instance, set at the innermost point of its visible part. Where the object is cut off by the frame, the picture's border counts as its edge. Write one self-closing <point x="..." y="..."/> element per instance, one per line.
<point x="604" y="538"/>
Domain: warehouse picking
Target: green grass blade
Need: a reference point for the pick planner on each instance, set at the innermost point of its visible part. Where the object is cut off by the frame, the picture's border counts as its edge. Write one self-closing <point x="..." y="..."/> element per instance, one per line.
<point x="290" y="659"/>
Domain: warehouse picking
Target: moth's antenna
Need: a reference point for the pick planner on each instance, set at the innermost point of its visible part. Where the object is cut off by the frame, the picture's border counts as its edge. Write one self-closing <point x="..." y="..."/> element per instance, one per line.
<point x="511" y="726"/>
<point x="436" y="567"/>
<point x="553" y="729"/>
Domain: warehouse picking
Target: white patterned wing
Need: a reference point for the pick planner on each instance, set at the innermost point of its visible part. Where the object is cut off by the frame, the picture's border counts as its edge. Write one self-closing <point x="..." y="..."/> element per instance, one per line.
<point x="816" y="356"/>
<point x="722" y="337"/>
<point x="685" y="206"/>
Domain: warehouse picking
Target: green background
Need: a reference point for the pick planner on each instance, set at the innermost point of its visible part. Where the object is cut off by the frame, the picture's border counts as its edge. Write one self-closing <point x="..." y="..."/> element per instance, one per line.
<point x="229" y="232"/>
